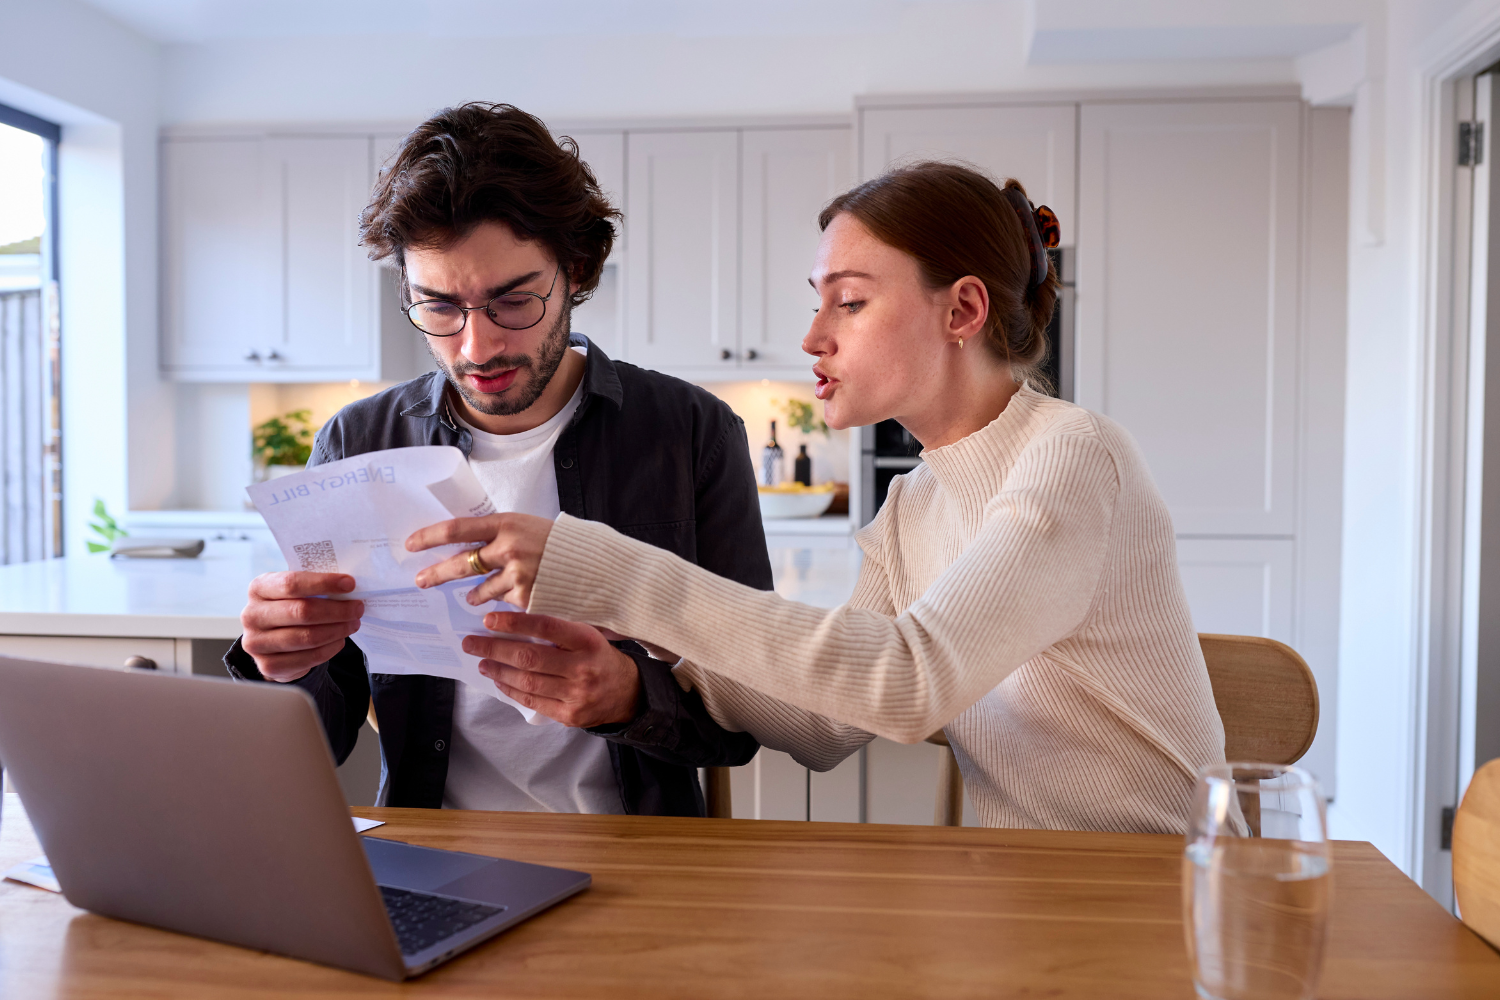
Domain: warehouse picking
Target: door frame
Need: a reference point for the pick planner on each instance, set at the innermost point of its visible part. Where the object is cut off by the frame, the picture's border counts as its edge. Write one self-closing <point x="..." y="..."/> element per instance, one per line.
<point x="1441" y="373"/>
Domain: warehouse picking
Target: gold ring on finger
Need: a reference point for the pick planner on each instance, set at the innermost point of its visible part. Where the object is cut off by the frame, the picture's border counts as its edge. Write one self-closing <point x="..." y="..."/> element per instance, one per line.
<point x="476" y="565"/>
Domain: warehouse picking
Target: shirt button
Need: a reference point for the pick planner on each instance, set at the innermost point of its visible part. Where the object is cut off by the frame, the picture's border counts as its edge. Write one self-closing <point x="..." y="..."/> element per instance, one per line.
<point x="438" y="746"/>
<point x="567" y="463"/>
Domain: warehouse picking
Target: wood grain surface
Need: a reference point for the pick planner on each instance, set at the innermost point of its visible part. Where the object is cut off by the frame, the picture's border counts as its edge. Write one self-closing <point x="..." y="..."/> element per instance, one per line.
<point x="744" y="908"/>
<point x="1476" y="853"/>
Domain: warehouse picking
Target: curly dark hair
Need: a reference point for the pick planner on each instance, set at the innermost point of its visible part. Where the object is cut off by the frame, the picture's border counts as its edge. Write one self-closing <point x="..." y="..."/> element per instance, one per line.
<point x="490" y="163"/>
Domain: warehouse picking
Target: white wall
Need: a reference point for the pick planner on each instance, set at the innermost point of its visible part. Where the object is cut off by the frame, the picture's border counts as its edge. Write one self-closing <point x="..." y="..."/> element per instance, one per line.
<point x="401" y="77"/>
<point x="66" y="62"/>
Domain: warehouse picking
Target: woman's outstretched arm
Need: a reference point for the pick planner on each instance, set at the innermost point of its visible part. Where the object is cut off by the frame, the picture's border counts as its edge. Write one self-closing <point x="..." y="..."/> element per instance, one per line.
<point x="813" y="740"/>
<point x="1026" y="581"/>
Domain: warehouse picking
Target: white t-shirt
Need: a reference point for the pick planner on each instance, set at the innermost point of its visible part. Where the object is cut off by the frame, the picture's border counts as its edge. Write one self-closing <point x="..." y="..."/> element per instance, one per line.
<point x="497" y="760"/>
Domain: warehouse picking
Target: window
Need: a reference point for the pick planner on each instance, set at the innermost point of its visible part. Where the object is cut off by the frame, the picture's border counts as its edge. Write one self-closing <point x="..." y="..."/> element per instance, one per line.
<point x="30" y="422"/>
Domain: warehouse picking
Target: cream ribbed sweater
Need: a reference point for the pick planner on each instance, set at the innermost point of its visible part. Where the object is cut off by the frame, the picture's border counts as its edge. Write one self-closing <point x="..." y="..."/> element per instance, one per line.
<point x="1019" y="591"/>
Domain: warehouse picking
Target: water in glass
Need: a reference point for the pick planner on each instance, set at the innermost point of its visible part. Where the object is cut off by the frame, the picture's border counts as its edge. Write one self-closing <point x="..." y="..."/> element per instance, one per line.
<point x="1256" y="884"/>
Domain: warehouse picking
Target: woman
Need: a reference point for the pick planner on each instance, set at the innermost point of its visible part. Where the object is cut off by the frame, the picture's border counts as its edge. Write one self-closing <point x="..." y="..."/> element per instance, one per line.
<point x="1019" y="589"/>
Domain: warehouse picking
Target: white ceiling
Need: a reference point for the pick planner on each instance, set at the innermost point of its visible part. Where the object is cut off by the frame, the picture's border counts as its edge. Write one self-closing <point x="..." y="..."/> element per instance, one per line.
<point x="1093" y="31"/>
<point x="189" y="21"/>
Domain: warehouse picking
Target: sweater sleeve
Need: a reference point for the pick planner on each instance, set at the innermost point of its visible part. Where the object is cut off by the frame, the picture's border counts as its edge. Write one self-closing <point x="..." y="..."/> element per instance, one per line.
<point x="1026" y="581"/>
<point x="812" y="740"/>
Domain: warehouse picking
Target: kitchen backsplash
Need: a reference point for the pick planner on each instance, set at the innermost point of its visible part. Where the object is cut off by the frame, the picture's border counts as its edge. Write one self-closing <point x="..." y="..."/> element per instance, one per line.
<point x="214" y="421"/>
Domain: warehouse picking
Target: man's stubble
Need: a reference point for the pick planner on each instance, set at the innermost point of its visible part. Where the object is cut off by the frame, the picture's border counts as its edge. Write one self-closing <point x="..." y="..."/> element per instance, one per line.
<point x="536" y="372"/>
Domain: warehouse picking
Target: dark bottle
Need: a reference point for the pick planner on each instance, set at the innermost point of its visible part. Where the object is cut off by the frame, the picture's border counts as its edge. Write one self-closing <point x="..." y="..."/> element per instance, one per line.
<point x="770" y="461"/>
<point x="802" y="466"/>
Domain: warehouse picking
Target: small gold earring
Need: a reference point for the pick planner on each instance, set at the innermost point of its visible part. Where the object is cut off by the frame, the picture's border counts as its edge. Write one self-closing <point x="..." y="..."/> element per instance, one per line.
<point x="960" y="343"/>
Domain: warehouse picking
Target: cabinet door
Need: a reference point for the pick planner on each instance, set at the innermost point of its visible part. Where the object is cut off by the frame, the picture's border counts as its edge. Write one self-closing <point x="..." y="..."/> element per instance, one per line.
<point x="788" y="176"/>
<point x="1035" y="144"/>
<point x="329" y="320"/>
<point x="1187" y="300"/>
<point x="1239" y="586"/>
<point x="601" y="318"/>
<point x="90" y="651"/>
<point x="772" y="786"/>
<point x="604" y="152"/>
<point x="682" y="282"/>
<point x="221" y="274"/>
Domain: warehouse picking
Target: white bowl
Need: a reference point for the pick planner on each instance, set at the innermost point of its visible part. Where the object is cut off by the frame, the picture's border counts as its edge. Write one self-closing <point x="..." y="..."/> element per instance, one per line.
<point x="779" y="505"/>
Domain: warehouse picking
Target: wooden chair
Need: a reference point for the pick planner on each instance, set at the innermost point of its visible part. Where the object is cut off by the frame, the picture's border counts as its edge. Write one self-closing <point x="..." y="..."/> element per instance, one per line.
<point x="1476" y="854"/>
<point x="1263" y="690"/>
<point x="949" y="810"/>
<point x="1266" y="696"/>
<point x="716" y="793"/>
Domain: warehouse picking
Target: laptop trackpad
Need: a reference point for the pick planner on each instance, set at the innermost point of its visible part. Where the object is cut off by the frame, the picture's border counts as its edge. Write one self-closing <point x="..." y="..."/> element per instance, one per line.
<point x="425" y="869"/>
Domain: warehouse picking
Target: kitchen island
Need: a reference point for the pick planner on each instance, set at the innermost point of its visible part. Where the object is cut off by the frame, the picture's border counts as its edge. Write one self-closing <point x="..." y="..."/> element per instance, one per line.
<point x="181" y="614"/>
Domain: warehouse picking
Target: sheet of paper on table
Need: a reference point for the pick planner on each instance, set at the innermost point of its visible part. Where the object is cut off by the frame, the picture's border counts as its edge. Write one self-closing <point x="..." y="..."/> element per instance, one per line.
<point x="38" y="871"/>
<point x="353" y="516"/>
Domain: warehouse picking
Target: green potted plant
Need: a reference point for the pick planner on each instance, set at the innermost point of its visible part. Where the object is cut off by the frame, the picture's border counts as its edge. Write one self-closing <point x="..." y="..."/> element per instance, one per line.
<point x="106" y="528"/>
<point x="282" y="445"/>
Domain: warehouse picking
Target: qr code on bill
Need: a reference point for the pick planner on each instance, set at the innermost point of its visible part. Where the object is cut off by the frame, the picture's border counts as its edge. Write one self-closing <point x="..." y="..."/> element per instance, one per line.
<point x="316" y="557"/>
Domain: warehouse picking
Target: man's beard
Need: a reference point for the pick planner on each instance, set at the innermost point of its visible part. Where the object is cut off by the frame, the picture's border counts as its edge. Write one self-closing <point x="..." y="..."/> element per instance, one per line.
<point x="532" y="377"/>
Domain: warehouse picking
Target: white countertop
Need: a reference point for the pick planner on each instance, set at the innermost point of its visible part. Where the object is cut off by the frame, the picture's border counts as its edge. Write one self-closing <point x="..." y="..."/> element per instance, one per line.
<point x="201" y="598"/>
<point x="168" y="598"/>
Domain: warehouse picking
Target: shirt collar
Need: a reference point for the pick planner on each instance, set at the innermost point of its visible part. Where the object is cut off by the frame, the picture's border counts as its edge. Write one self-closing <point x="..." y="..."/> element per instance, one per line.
<point x="429" y="395"/>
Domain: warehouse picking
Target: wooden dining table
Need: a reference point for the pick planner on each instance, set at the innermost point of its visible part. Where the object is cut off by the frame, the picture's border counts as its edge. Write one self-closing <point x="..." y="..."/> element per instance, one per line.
<point x="745" y="908"/>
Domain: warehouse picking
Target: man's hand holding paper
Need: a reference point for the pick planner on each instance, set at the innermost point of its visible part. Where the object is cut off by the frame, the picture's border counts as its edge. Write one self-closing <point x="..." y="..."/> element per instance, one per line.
<point x="351" y="518"/>
<point x="291" y="627"/>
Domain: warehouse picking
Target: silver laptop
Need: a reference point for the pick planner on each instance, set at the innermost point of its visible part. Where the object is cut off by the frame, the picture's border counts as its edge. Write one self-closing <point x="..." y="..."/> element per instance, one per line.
<point x="212" y="808"/>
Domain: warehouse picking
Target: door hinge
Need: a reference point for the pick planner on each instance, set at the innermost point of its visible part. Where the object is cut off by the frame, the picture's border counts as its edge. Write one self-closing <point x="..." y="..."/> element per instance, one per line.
<point x="1470" y="144"/>
<point x="1447" y="834"/>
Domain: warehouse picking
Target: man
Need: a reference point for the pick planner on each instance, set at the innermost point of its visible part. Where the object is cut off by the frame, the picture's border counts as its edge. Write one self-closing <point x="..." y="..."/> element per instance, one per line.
<point x="499" y="231"/>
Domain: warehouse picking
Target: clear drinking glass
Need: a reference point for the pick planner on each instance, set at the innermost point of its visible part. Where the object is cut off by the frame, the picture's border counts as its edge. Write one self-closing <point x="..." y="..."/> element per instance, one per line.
<point x="1255" y="882"/>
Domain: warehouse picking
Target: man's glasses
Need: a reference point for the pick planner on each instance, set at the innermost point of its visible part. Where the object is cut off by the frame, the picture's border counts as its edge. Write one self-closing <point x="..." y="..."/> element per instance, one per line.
<point x="511" y="310"/>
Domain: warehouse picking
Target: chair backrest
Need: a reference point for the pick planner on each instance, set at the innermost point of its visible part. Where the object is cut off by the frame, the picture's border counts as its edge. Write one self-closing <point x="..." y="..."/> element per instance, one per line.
<point x="1476" y="854"/>
<point x="1266" y="696"/>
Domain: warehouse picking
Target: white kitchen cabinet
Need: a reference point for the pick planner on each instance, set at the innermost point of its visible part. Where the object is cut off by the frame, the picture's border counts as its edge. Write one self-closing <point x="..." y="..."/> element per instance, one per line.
<point x="682" y="274"/>
<point x="264" y="277"/>
<point x="1240" y="586"/>
<point x="329" y="282"/>
<point x="220" y="260"/>
<point x="1035" y="144"/>
<point x="787" y="175"/>
<point x="1187" y="300"/>
<point x="604" y="152"/>
<point x="772" y="786"/>
<point x="95" y="651"/>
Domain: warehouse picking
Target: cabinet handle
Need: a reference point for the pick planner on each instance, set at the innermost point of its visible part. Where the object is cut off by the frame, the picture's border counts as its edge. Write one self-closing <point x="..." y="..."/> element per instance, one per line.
<point x="253" y="356"/>
<point x="750" y="355"/>
<point x="726" y="355"/>
<point x="274" y="356"/>
<point x="139" y="663"/>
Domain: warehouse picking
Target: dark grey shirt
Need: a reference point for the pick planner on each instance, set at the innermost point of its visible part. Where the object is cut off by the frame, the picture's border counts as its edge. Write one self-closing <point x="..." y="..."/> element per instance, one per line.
<point x="655" y="458"/>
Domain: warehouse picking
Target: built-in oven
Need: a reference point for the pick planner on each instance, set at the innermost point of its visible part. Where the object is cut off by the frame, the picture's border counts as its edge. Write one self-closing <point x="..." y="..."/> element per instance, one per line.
<point x="887" y="449"/>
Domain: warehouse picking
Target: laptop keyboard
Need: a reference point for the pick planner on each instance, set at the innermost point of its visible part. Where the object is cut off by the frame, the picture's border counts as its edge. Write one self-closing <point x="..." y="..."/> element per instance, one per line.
<point x="421" y="920"/>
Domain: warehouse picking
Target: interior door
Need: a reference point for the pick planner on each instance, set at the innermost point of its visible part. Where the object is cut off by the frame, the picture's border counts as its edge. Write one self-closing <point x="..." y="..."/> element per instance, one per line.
<point x="1479" y="671"/>
<point x="682" y="280"/>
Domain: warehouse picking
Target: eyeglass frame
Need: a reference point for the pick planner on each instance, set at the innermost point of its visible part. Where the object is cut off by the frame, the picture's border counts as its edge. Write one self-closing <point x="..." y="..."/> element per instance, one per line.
<point x="486" y="307"/>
